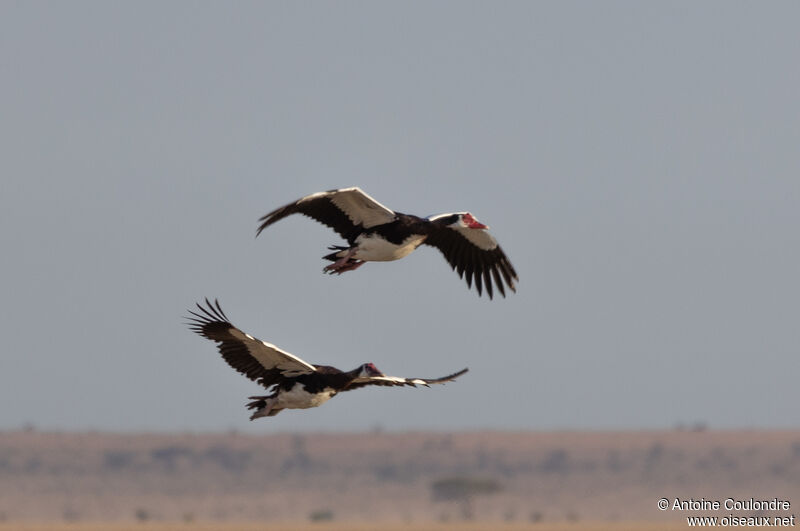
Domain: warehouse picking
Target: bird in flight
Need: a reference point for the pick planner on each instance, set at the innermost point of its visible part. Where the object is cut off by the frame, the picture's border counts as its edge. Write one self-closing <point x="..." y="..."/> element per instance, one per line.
<point x="375" y="233"/>
<point x="294" y="383"/>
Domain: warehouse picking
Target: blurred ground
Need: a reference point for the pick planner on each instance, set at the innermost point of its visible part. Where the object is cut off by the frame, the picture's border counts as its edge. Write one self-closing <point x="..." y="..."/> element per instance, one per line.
<point x="518" y="479"/>
<point x="249" y="526"/>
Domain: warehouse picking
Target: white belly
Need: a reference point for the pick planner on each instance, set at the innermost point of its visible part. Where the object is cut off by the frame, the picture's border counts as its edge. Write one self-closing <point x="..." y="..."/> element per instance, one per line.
<point x="298" y="398"/>
<point x="373" y="248"/>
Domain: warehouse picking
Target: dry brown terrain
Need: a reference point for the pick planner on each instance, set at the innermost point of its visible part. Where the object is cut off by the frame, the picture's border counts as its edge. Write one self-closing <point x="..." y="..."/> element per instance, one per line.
<point x="574" y="480"/>
<point x="250" y="526"/>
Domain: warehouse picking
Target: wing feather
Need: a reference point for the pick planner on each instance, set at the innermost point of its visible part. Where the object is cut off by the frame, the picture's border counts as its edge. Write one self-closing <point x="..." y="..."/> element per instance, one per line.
<point x="256" y="359"/>
<point x="487" y="280"/>
<point x="497" y="281"/>
<point x="347" y="211"/>
<point x="475" y="255"/>
<point x="393" y="381"/>
<point x="474" y="266"/>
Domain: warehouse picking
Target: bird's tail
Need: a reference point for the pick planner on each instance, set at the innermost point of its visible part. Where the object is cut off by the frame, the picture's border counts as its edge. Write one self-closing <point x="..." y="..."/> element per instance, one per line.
<point x="338" y="254"/>
<point x="257" y="402"/>
<point x="262" y="408"/>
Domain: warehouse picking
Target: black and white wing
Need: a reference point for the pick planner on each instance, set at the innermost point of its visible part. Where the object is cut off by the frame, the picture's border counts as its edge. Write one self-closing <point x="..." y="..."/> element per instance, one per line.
<point x="348" y="211"/>
<point x="476" y="255"/>
<point x="396" y="381"/>
<point x="256" y="359"/>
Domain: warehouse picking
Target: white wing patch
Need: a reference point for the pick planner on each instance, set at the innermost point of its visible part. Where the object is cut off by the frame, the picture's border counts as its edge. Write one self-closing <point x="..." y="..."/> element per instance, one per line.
<point x="360" y="207"/>
<point x="271" y="357"/>
<point x="437" y="216"/>
<point x="393" y="380"/>
<point x="480" y="238"/>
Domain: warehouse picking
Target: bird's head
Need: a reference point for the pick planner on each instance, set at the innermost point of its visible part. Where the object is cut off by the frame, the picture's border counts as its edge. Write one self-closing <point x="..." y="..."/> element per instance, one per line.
<point x="465" y="219"/>
<point x="369" y="370"/>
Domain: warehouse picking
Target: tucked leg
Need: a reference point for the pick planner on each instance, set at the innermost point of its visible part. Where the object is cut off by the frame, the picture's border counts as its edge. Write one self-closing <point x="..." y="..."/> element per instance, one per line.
<point x="341" y="262"/>
<point x="263" y="406"/>
<point x="350" y="266"/>
<point x="265" y="411"/>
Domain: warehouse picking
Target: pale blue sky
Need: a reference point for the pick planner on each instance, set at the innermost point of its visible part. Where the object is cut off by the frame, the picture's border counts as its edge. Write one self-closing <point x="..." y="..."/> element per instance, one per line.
<point x="638" y="161"/>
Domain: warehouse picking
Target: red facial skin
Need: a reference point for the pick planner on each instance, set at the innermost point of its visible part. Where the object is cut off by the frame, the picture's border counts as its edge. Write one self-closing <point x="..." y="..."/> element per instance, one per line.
<point x="373" y="370"/>
<point x="473" y="223"/>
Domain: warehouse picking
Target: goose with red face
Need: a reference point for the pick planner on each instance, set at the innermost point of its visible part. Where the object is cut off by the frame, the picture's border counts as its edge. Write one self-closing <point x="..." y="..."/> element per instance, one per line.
<point x="376" y="233"/>
<point x="294" y="383"/>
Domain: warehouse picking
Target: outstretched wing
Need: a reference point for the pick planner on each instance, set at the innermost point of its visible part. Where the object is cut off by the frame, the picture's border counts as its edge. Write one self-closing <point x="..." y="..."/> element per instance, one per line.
<point x="252" y="357"/>
<point x="347" y="211"/>
<point x="475" y="253"/>
<point x="395" y="381"/>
